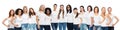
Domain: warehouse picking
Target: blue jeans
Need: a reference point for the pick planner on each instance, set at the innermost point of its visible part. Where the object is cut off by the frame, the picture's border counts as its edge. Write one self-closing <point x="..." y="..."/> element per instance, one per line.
<point x="54" y="26"/>
<point x="75" y="27"/>
<point x="18" y="28"/>
<point x="83" y="27"/>
<point x="45" y="27"/>
<point x="32" y="27"/>
<point x="90" y="28"/>
<point x="104" y="28"/>
<point x="25" y="26"/>
<point x="11" y="29"/>
<point x="62" y="26"/>
<point x="98" y="28"/>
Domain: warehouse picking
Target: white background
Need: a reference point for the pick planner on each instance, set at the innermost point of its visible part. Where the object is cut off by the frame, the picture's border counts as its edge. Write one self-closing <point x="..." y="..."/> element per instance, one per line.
<point x="6" y="5"/>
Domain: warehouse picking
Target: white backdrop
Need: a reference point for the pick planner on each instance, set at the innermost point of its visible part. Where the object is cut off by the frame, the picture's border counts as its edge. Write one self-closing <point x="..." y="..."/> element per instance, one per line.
<point x="6" y="5"/>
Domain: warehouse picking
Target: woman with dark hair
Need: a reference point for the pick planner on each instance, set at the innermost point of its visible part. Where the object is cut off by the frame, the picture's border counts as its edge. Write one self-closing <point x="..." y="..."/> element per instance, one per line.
<point x="69" y="17"/>
<point x="11" y="17"/>
<point x="96" y="19"/>
<point x="18" y="19"/>
<point x="88" y="14"/>
<point x="32" y="19"/>
<point x="25" y="18"/>
<point x="83" y="25"/>
<point x="61" y="18"/>
<point x="54" y="14"/>
<point x="77" y="19"/>
<point x="47" y="19"/>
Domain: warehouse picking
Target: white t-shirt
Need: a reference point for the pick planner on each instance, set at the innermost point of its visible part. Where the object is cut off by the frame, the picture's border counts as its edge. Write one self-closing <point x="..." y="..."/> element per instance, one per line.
<point x="84" y="21"/>
<point x="32" y="19"/>
<point x="41" y="17"/>
<point x="97" y="19"/>
<point x="54" y="16"/>
<point x="113" y="19"/>
<point x="104" y="24"/>
<point x="76" y="20"/>
<point x="9" y="23"/>
<point x="47" y="20"/>
<point x="25" y="18"/>
<point x="61" y="19"/>
<point x="88" y="16"/>
<point x="69" y="17"/>
<point x="18" y="21"/>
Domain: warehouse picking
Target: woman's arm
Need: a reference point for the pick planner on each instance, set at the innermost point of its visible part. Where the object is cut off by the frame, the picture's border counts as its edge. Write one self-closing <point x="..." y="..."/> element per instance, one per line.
<point x="109" y="20"/>
<point x="116" y="21"/>
<point x="37" y="20"/>
<point x="3" y="22"/>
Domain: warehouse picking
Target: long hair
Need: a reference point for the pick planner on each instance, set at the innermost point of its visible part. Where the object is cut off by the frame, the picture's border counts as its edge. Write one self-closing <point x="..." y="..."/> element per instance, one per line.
<point x="10" y="13"/>
<point x="83" y="8"/>
<point x="77" y="13"/>
<point x="30" y="13"/>
<point x="69" y="11"/>
<point x="60" y="13"/>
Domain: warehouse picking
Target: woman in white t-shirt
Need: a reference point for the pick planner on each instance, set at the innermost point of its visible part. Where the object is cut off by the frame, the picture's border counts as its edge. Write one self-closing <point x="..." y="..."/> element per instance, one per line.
<point x="11" y="17"/>
<point x="42" y="23"/>
<point x="62" y="22"/>
<point x="25" y="18"/>
<point x="89" y="14"/>
<point x="54" y="21"/>
<point x="48" y="18"/>
<point x="96" y="19"/>
<point x="69" y="17"/>
<point x="113" y="17"/>
<point x="77" y="21"/>
<point x="82" y="15"/>
<point x="18" y="19"/>
<point x="32" y="20"/>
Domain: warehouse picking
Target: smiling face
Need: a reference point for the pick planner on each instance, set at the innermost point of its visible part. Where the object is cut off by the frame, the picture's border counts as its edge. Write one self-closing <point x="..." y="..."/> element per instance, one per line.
<point x="55" y="7"/>
<point x="89" y="9"/>
<point x="81" y="9"/>
<point x="11" y="13"/>
<point x="25" y="9"/>
<point x="75" y="11"/>
<point x="96" y="10"/>
<point x="103" y="10"/>
<point x="48" y="12"/>
<point x="109" y="10"/>
<point x="68" y="7"/>
<point x="62" y="8"/>
<point x="19" y="12"/>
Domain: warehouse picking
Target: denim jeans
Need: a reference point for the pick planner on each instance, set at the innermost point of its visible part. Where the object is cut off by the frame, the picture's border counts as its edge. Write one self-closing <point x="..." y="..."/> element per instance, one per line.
<point x="83" y="27"/>
<point x="62" y="26"/>
<point x="32" y="27"/>
<point x="98" y="28"/>
<point x="90" y="28"/>
<point x="11" y="29"/>
<point x="104" y="28"/>
<point x="25" y="26"/>
<point x="70" y="26"/>
<point x="111" y="28"/>
<point x="54" y="26"/>
<point x="76" y="27"/>
<point x="18" y="28"/>
<point x="44" y="27"/>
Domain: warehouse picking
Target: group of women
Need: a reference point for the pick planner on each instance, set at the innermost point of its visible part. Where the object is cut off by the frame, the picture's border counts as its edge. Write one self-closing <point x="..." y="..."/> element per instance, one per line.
<point x="46" y="19"/>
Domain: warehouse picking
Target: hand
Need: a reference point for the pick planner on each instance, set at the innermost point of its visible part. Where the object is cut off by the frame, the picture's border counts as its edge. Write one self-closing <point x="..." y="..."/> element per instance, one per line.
<point x="38" y="27"/>
<point x="113" y="25"/>
<point x="16" y="25"/>
<point x="79" y="25"/>
<point x="90" y="25"/>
